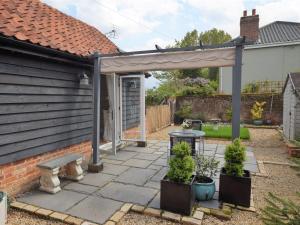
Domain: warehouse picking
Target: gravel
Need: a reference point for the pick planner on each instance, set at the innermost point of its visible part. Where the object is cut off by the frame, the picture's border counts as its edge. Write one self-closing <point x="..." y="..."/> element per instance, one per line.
<point x="16" y="217"/>
<point x="139" y="219"/>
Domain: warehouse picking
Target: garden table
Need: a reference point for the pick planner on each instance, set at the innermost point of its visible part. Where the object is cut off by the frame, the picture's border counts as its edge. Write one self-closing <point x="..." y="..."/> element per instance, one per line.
<point x="194" y="137"/>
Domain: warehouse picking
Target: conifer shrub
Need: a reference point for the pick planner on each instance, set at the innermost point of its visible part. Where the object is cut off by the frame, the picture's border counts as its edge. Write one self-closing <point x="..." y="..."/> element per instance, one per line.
<point x="181" y="164"/>
<point x="235" y="155"/>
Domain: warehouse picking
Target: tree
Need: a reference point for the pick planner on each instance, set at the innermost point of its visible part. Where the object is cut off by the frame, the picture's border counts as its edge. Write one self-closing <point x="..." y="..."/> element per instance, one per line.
<point x="192" y="38"/>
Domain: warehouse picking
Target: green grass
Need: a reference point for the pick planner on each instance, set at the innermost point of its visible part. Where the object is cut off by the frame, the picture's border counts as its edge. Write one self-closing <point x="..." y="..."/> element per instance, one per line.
<point x="224" y="131"/>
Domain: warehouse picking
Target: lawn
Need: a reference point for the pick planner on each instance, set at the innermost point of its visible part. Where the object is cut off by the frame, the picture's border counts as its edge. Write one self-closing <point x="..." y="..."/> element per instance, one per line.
<point x="224" y="131"/>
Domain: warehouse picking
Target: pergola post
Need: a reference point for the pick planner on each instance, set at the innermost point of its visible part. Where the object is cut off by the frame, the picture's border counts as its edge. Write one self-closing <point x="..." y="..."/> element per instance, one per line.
<point x="236" y="92"/>
<point x="96" y="165"/>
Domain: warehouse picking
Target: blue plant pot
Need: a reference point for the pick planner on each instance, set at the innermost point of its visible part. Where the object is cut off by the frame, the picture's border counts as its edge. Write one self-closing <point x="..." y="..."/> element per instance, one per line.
<point x="258" y="122"/>
<point x="205" y="191"/>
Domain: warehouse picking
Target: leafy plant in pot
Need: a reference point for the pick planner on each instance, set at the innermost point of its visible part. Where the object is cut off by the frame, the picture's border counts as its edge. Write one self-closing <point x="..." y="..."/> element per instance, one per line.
<point x="177" y="194"/>
<point x="256" y="112"/>
<point x="204" y="185"/>
<point x="235" y="182"/>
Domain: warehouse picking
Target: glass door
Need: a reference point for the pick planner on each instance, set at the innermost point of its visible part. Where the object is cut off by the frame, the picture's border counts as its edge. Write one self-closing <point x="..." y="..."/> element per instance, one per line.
<point x="132" y="107"/>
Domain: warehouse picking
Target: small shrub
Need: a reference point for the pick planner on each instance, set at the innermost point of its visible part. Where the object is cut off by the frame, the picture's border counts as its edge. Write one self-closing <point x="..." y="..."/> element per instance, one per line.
<point x="182" y="164"/>
<point x="281" y="211"/>
<point x="184" y="112"/>
<point x="206" y="166"/>
<point x="235" y="155"/>
<point x="228" y="114"/>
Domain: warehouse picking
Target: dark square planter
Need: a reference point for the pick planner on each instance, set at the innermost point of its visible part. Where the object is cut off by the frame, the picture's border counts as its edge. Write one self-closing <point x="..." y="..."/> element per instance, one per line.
<point x="177" y="197"/>
<point x="235" y="190"/>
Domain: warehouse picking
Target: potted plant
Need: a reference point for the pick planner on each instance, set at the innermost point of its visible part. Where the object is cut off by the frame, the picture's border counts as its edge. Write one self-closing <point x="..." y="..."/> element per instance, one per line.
<point x="186" y="124"/>
<point x="256" y="112"/>
<point x="204" y="185"/>
<point x="3" y="207"/>
<point x="235" y="182"/>
<point x="177" y="194"/>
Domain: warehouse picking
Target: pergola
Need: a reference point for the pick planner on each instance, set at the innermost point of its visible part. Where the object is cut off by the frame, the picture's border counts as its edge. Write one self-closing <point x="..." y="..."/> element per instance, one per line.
<point x="225" y="55"/>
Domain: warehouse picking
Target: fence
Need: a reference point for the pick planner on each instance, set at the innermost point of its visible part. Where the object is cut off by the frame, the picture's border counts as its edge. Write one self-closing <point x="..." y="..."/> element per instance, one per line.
<point x="157" y="117"/>
<point x="260" y="87"/>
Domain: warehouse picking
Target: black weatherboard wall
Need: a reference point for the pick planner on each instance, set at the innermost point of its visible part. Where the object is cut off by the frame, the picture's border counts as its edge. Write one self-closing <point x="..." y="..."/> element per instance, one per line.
<point x="42" y="106"/>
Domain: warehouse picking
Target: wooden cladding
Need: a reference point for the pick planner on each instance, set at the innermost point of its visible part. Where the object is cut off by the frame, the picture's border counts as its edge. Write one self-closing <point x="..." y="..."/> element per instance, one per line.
<point x="42" y="106"/>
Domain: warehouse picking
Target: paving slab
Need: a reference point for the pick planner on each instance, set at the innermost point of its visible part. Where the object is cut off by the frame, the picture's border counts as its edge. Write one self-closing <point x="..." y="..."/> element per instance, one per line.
<point x="112" y="161"/>
<point x="128" y="193"/>
<point x="136" y="176"/>
<point x="60" y="201"/>
<point x="82" y="188"/>
<point x="155" y="202"/>
<point x="140" y="149"/>
<point x="147" y="156"/>
<point x="160" y="162"/>
<point x="154" y="167"/>
<point x="113" y="169"/>
<point x="95" y="209"/>
<point x="97" y="179"/>
<point x="153" y="184"/>
<point x="137" y="163"/>
<point x="251" y="167"/>
<point x="212" y="204"/>
<point x="160" y="174"/>
<point x="121" y="155"/>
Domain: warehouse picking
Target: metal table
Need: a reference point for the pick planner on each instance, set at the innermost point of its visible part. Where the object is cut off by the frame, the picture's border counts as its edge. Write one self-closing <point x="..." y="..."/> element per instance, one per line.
<point x="194" y="137"/>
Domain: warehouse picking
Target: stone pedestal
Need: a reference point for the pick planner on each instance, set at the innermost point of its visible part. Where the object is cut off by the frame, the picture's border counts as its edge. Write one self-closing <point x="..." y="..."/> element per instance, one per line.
<point x="74" y="170"/>
<point x="49" y="180"/>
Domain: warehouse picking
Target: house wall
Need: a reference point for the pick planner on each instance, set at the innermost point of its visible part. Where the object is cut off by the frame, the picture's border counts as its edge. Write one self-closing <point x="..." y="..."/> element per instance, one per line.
<point x="259" y="64"/>
<point x="42" y="109"/>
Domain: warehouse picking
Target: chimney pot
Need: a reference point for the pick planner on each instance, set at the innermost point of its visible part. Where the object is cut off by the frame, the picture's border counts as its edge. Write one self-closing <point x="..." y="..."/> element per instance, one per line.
<point x="244" y="13"/>
<point x="253" y="12"/>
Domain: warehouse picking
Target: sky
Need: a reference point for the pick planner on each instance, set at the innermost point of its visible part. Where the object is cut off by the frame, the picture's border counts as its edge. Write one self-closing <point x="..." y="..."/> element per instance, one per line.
<point x="140" y="24"/>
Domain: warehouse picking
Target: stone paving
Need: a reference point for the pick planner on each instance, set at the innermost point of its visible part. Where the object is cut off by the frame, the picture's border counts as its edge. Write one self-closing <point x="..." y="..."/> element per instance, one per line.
<point x="133" y="175"/>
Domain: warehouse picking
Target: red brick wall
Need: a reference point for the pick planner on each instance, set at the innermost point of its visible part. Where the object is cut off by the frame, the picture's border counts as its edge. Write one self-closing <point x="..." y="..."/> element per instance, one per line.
<point x="216" y="106"/>
<point x="22" y="175"/>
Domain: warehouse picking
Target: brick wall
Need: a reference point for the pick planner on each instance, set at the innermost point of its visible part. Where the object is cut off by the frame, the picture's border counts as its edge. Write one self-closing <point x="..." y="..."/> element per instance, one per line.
<point x="216" y="106"/>
<point x="22" y="175"/>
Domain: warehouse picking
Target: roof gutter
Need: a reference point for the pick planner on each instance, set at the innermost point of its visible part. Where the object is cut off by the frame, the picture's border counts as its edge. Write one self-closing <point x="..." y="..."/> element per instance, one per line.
<point x="12" y="44"/>
<point x="277" y="44"/>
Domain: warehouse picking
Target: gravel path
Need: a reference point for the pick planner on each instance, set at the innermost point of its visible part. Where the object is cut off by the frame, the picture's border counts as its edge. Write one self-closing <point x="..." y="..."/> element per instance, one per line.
<point x="138" y="219"/>
<point x="22" y="218"/>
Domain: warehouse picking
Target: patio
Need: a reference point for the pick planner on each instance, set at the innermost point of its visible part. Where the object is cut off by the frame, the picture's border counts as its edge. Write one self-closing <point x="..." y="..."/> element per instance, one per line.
<point x="133" y="175"/>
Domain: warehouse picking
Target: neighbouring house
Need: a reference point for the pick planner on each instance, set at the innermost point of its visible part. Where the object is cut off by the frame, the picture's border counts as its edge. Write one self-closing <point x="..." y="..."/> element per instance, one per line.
<point x="274" y="53"/>
<point x="291" y="107"/>
<point x="46" y="94"/>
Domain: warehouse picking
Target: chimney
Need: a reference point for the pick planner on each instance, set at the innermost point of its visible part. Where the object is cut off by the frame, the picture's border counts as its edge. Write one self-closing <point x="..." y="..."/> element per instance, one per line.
<point x="249" y="26"/>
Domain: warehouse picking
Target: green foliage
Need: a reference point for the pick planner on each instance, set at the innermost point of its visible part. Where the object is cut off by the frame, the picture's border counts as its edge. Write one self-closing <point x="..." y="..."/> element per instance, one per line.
<point x="281" y="211"/>
<point x="184" y="112"/>
<point x="206" y="166"/>
<point x="251" y="87"/>
<point x="235" y="155"/>
<point x="182" y="164"/>
<point x="257" y="110"/>
<point x="228" y="114"/>
<point x="224" y="131"/>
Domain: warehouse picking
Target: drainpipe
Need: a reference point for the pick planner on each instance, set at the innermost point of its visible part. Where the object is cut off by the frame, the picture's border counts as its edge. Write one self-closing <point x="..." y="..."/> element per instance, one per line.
<point x="96" y="166"/>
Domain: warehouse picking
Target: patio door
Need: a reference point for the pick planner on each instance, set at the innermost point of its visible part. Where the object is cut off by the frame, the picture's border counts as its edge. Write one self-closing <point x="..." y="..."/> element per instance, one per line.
<point x="132" y="107"/>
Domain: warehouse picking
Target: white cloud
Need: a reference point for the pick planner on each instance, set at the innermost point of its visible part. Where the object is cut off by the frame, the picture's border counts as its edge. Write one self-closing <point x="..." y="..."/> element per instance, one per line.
<point x="128" y="16"/>
<point x="286" y="10"/>
<point x="223" y="15"/>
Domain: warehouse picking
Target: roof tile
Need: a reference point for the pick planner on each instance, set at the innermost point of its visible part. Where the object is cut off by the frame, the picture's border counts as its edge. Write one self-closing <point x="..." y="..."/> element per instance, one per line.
<point x="38" y="23"/>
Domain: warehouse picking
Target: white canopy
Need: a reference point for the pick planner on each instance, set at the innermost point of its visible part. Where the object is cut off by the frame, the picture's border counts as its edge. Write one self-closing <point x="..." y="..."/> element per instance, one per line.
<point x="169" y="60"/>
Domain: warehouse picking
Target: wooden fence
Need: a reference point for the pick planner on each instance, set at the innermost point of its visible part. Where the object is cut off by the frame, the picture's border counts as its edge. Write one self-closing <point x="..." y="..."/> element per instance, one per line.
<point x="157" y="117"/>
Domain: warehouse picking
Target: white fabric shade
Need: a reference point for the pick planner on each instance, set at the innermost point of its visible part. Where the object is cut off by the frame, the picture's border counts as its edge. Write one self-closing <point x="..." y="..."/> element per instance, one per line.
<point x="169" y="60"/>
